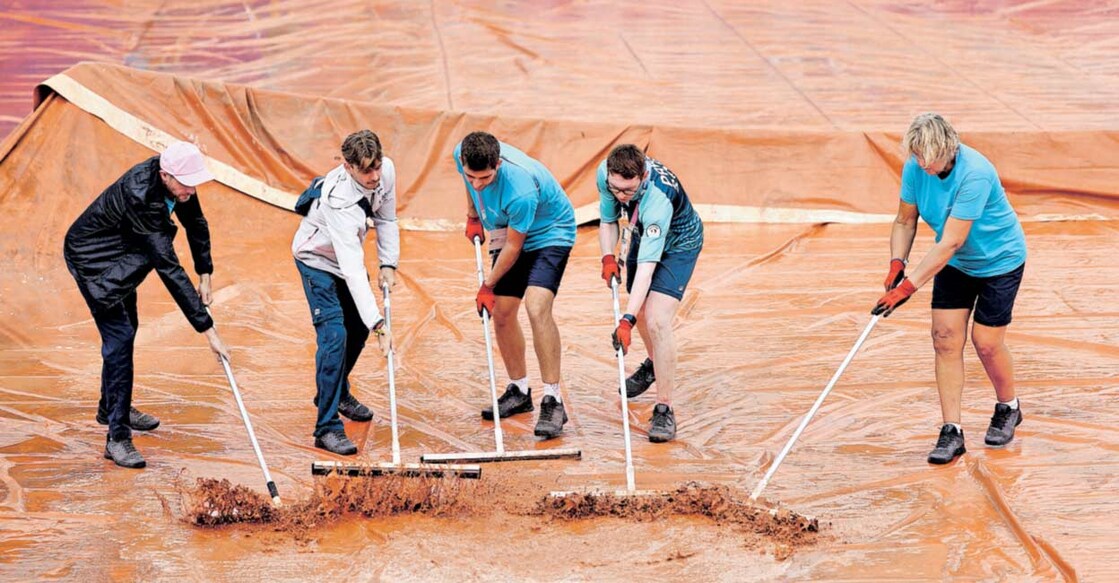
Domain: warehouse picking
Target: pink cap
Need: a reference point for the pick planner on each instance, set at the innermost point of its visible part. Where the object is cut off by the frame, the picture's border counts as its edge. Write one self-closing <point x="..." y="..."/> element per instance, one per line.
<point x="184" y="161"/>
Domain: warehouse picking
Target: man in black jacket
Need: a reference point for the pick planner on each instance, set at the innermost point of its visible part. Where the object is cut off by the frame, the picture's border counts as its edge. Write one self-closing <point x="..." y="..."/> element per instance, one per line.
<point x="125" y="234"/>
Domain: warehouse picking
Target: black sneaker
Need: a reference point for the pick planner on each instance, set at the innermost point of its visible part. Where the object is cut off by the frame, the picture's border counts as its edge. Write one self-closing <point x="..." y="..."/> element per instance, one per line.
<point x="351" y="408"/>
<point x="552" y="418"/>
<point x="336" y="442"/>
<point x="123" y="453"/>
<point x="1003" y="422"/>
<point x="640" y="380"/>
<point x="949" y="445"/>
<point x="137" y="420"/>
<point x="662" y="427"/>
<point x="512" y="402"/>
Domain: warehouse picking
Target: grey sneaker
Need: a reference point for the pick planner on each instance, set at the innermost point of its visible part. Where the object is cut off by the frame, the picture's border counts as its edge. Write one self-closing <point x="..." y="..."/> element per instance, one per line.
<point x="351" y="408"/>
<point x="137" y="419"/>
<point x="336" y="442"/>
<point x="1003" y="422"/>
<point x="641" y="379"/>
<point x="949" y="445"/>
<point x="511" y="402"/>
<point x="662" y="426"/>
<point x="552" y="418"/>
<point x="123" y="453"/>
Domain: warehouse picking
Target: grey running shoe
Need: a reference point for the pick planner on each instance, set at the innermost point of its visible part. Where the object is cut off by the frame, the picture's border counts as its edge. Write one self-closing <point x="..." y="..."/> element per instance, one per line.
<point x="512" y="402"/>
<point x="1003" y="422"/>
<point x="949" y="445"/>
<point x="641" y="379"/>
<point x="552" y="418"/>
<point x="662" y="426"/>
<point x="336" y="442"/>
<point x="352" y="409"/>
<point x="123" y="453"/>
<point x="137" y="419"/>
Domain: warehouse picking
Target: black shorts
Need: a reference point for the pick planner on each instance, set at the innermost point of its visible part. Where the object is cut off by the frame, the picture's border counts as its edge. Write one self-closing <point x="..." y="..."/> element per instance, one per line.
<point x="991" y="297"/>
<point x="542" y="267"/>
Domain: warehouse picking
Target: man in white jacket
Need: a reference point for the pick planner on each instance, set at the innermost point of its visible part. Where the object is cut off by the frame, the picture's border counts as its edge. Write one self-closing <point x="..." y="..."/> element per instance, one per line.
<point x="328" y="253"/>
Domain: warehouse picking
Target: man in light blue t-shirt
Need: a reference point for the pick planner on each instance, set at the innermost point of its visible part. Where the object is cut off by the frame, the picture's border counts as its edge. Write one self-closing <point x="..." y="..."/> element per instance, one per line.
<point x="976" y="266"/>
<point x="531" y="226"/>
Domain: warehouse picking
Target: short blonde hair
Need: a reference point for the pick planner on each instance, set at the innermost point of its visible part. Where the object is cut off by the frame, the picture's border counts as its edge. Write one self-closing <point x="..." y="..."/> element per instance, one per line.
<point x="931" y="138"/>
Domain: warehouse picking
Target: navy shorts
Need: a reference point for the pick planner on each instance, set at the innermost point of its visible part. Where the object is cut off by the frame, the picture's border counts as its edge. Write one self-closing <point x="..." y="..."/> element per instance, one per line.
<point x="541" y="267"/>
<point x="991" y="297"/>
<point x="671" y="276"/>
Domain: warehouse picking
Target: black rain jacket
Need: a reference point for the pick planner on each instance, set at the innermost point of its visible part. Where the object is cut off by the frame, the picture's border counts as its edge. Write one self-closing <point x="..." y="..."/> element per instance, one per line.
<point x="127" y="232"/>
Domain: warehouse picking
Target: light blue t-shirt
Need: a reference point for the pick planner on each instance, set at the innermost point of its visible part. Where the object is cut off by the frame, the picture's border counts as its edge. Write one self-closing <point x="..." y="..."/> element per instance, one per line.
<point x="525" y="197"/>
<point x="170" y="205"/>
<point x="665" y="223"/>
<point x="996" y="243"/>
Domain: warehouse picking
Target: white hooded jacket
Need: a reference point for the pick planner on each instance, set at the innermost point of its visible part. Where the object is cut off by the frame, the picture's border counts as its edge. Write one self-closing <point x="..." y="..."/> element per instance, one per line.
<point x="330" y="237"/>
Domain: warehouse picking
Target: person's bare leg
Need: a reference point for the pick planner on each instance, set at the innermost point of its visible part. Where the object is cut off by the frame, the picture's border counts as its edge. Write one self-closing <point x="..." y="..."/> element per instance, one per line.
<point x="510" y="338"/>
<point x="545" y="333"/>
<point x="990" y="345"/>
<point x="643" y="331"/>
<point x="660" y="310"/>
<point x="949" y="334"/>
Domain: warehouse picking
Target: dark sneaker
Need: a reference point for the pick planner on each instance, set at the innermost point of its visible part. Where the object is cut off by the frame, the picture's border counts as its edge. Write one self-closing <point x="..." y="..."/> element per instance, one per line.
<point x="949" y="445"/>
<point x="1003" y="422"/>
<point x="662" y="426"/>
<point x="640" y="380"/>
<point x="352" y="409"/>
<point x="336" y="442"/>
<point x="512" y="402"/>
<point x="137" y="420"/>
<point x="552" y="418"/>
<point x="124" y="454"/>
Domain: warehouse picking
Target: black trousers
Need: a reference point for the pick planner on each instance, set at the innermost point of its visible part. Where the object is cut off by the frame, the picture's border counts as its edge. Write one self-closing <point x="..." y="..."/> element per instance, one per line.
<point x="117" y="326"/>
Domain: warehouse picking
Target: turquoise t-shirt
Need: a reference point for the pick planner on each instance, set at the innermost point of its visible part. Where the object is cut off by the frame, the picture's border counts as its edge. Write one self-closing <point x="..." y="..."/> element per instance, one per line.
<point x="524" y="197"/>
<point x="170" y="205"/>
<point x="996" y="243"/>
<point x="665" y="223"/>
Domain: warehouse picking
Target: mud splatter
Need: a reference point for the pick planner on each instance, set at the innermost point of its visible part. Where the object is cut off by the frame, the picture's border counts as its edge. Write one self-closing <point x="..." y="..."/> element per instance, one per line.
<point x="213" y="502"/>
<point x="784" y="529"/>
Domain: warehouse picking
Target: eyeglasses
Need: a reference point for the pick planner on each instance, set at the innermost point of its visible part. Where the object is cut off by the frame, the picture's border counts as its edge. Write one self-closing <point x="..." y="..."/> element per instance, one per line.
<point x="626" y="192"/>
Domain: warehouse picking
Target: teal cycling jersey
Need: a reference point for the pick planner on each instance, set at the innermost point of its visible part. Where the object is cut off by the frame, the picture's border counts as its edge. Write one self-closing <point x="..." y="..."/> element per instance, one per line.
<point x="665" y="220"/>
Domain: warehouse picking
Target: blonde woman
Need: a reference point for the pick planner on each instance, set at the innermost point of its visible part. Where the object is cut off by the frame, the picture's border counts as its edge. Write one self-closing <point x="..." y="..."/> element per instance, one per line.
<point x="976" y="268"/>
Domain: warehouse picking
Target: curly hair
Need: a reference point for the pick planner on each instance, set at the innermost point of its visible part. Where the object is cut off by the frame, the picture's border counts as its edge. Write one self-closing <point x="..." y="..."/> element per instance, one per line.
<point x="480" y="151"/>
<point x="362" y="150"/>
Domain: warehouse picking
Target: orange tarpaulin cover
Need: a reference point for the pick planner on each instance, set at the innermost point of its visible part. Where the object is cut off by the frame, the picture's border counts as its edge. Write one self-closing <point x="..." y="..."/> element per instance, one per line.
<point x="785" y="116"/>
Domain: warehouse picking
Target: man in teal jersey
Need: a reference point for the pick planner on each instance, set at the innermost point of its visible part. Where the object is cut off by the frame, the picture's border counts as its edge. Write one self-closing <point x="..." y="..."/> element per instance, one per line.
<point x="977" y="263"/>
<point x="531" y="226"/>
<point x="666" y="236"/>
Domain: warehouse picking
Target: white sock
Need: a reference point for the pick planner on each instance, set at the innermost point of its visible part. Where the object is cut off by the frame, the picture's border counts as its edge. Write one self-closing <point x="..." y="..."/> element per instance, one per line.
<point x="522" y="384"/>
<point x="1013" y="404"/>
<point x="553" y="390"/>
<point x="957" y="426"/>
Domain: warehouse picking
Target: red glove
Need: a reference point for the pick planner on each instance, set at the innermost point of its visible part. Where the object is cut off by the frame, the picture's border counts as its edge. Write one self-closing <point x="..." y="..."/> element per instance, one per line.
<point x="623" y="334"/>
<point x="610" y="269"/>
<point x="474" y="229"/>
<point x="485" y="300"/>
<point x="894" y="298"/>
<point x="897" y="273"/>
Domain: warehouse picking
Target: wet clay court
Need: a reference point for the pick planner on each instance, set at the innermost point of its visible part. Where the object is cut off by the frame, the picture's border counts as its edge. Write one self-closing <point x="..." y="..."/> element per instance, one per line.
<point x="783" y="123"/>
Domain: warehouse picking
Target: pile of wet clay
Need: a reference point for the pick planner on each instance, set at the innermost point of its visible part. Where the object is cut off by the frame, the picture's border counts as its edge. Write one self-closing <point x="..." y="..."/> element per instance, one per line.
<point x="760" y="523"/>
<point x="213" y="502"/>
